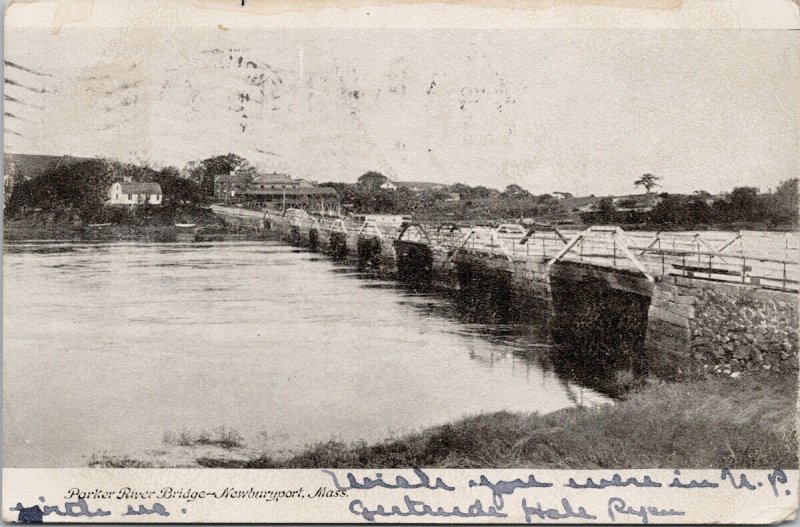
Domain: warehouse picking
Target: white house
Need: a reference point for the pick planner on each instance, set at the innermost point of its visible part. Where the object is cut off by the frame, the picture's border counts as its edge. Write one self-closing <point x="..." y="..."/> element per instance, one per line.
<point x="388" y="185"/>
<point x="134" y="193"/>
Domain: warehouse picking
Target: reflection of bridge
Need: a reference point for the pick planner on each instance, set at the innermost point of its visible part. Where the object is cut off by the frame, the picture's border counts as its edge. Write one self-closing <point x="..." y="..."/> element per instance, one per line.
<point x="727" y="299"/>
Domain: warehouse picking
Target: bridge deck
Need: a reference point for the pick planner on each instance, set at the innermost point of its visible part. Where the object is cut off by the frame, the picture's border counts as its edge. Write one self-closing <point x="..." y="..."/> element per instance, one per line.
<point x="766" y="260"/>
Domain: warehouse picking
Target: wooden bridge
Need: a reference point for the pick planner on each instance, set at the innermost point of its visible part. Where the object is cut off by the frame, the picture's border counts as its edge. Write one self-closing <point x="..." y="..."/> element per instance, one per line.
<point x="764" y="260"/>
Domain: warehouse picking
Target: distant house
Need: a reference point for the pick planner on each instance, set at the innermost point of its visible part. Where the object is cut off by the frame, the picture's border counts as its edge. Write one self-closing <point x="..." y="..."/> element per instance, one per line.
<point x="453" y="196"/>
<point x="135" y="193"/>
<point x="636" y="202"/>
<point x="389" y="185"/>
<point x="228" y="186"/>
<point x="419" y="186"/>
<point x="561" y="195"/>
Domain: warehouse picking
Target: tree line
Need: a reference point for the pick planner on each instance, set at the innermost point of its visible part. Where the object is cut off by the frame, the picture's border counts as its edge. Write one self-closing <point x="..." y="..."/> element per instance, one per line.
<point x="443" y="202"/>
<point x="81" y="189"/>
<point x="743" y="207"/>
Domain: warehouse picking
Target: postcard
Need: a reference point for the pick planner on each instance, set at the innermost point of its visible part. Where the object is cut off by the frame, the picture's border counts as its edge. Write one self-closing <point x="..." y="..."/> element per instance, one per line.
<point x="402" y="262"/>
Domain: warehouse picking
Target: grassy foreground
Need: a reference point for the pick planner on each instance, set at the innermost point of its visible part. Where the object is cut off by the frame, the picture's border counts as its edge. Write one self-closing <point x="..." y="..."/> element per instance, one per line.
<point x="717" y="422"/>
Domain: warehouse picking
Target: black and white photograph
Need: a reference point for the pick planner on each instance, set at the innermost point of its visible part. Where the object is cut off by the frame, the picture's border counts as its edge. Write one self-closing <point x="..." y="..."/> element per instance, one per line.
<point x="401" y="237"/>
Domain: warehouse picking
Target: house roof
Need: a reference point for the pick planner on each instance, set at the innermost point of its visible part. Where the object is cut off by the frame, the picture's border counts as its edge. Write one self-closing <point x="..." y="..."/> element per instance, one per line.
<point x="232" y="178"/>
<point x="428" y="185"/>
<point x="274" y="178"/>
<point x="135" y="187"/>
<point x="304" y="191"/>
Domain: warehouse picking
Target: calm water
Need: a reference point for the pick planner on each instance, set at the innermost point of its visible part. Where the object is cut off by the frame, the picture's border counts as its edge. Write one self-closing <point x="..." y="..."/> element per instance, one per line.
<point x="107" y="347"/>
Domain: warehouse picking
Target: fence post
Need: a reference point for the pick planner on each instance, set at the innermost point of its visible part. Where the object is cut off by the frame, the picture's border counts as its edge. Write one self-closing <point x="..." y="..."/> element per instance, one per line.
<point x="744" y="269"/>
<point x="784" y="276"/>
<point x="697" y="244"/>
<point x="614" y="257"/>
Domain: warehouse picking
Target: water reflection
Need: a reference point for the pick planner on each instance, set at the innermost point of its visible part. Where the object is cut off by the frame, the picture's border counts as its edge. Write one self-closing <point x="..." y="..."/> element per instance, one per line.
<point x="521" y="325"/>
<point x="256" y="336"/>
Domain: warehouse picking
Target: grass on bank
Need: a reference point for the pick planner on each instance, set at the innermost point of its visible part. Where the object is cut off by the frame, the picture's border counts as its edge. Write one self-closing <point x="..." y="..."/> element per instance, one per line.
<point x="718" y="422"/>
<point x="223" y="437"/>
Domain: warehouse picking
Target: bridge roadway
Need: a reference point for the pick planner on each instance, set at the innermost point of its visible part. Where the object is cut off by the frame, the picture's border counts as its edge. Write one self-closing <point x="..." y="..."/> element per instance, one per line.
<point x="702" y="287"/>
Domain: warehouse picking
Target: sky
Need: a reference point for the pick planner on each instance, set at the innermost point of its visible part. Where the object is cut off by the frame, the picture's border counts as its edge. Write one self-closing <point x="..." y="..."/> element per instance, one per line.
<point x="585" y="111"/>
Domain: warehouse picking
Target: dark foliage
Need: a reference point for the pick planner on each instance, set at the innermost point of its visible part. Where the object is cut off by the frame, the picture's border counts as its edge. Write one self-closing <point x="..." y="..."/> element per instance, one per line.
<point x="81" y="189"/>
<point x="745" y="206"/>
<point x="79" y="192"/>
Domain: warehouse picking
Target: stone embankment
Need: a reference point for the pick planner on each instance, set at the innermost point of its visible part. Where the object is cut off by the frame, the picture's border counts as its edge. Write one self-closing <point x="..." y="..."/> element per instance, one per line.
<point x="722" y="326"/>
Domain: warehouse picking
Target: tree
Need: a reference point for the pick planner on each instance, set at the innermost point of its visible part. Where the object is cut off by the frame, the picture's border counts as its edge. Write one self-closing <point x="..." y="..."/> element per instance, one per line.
<point x="648" y="181"/>
<point x="81" y="188"/>
<point x="606" y="211"/>
<point x="463" y="191"/>
<point x="783" y="204"/>
<point x="481" y="192"/>
<point x="203" y="172"/>
<point x="745" y="203"/>
<point x="516" y="192"/>
<point x="372" y="180"/>
<point x="697" y="212"/>
<point x="176" y="189"/>
<point x="669" y="211"/>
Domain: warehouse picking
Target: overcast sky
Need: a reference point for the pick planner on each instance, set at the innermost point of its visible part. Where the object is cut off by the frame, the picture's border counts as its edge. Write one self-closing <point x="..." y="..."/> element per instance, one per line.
<point x="582" y="111"/>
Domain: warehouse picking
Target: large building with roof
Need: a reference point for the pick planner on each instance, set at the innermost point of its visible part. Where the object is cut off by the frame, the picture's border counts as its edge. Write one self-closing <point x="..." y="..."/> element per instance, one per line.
<point x="308" y="198"/>
<point x="228" y="187"/>
<point x="275" y="191"/>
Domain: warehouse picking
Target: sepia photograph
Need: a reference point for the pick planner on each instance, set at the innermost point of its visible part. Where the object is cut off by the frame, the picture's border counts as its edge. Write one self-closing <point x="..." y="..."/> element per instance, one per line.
<point x="256" y="244"/>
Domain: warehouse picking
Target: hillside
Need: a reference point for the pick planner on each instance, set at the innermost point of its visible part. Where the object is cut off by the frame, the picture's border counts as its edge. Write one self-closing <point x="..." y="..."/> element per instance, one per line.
<point x="31" y="166"/>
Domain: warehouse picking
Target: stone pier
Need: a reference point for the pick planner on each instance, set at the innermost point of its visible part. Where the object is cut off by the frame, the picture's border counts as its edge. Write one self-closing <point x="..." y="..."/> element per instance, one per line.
<point x="727" y="327"/>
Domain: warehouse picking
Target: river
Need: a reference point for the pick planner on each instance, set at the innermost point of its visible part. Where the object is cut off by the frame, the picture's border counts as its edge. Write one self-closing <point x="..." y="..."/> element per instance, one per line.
<point x="108" y="347"/>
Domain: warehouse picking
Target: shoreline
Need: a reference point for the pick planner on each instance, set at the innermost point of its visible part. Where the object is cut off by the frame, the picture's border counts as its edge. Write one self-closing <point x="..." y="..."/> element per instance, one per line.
<point x="133" y="233"/>
<point x="745" y="423"/>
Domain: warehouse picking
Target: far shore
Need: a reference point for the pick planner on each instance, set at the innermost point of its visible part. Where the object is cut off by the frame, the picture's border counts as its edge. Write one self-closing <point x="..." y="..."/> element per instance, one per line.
<point x="15" y="231"/>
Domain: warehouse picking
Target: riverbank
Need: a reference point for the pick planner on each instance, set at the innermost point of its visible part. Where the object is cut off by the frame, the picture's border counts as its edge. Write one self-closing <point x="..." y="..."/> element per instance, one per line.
<point x="747" y="422"/>
<point x="151" y="225"/>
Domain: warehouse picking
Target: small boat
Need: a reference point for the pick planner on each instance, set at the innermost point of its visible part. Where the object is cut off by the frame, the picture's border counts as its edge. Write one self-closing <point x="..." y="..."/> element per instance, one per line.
<point x="185" y="225"/>
<point x="95" y="225"/>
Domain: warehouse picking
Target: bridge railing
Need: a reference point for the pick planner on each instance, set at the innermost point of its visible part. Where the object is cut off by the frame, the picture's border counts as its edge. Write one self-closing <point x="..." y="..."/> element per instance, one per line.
<point x="603" y="246"/>
<point x="520" y="245"/>
<point x="773" y="273"/>
<point x="717" y="256"/>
